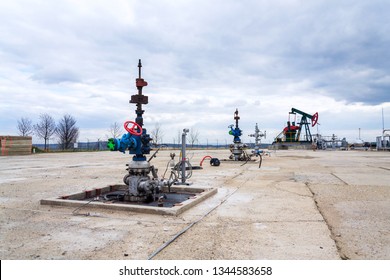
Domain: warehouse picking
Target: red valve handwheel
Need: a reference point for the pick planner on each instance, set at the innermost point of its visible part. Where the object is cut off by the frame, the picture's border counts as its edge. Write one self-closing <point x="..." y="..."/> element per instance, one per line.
<point x="132" y="130"/>
<point x="314" y="119"/>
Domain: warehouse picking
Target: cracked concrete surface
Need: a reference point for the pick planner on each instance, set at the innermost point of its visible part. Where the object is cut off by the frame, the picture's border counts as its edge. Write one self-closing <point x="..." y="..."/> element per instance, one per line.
<point x="298" y="205"/>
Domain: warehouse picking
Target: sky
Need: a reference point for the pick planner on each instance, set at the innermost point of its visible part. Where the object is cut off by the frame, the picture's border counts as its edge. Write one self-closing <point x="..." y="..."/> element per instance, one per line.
<point x="202" y="59"/>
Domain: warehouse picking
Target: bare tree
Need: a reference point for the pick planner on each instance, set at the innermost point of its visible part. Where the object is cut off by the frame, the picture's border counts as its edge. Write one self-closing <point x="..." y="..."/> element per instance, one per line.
<point x="25" y="127"/>
<point x="194" y="136"/>
<point x="45" y="128"/>
<point x="115" y="130"/>
<point x="67" y="132"/>
<point x="157" y="134"/>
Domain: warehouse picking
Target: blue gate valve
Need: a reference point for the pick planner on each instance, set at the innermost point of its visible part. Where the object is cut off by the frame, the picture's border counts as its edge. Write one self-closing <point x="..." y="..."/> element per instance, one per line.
<point x="126" y="142"/>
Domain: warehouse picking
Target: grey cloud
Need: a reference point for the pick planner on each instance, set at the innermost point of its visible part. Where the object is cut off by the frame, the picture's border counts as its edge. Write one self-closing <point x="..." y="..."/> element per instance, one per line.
<point x="56" y="76"/>
<point x="237" y="52"/>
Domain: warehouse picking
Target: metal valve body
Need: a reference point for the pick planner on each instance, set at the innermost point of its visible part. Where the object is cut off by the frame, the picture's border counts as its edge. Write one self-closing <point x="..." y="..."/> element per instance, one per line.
<point x="142" y="180"/>
<point x="237" y="147"/>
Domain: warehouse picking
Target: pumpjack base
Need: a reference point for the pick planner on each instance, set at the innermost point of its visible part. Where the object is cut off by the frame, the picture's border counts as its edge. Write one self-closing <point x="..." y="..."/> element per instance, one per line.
<point x="291" y="146"/>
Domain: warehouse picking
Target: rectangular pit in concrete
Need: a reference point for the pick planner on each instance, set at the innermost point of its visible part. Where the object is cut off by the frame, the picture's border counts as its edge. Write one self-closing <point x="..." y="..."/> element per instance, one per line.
<point x="178" y="200"/>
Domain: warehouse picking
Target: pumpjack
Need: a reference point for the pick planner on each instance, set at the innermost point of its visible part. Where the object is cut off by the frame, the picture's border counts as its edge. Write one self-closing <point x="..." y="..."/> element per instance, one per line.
<point x="298" y="132"/>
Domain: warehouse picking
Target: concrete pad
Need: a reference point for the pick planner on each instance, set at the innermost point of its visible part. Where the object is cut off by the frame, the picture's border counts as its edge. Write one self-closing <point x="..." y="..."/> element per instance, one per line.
<point x="372" y="178"/>
<point x="224" y="240"/>
<point x="298" y="205"/>
<point x="359" y="217"/>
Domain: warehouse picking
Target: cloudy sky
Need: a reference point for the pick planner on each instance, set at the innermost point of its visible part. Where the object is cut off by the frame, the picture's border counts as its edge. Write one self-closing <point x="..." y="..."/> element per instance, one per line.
<point x="202" y="60"/>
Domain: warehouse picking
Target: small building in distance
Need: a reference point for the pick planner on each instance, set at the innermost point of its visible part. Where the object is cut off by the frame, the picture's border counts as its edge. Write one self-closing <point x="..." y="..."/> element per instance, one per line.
<point x="15" y="145"/>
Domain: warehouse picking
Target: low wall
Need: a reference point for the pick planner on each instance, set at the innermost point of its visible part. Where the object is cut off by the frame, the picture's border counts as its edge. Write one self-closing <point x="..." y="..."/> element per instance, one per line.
<point x="15" y="145"/>
<point x="292" y="146"/>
